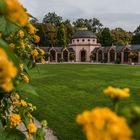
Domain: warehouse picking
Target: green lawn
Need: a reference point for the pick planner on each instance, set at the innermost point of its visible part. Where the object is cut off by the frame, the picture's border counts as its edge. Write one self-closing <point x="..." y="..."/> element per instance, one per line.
<point x="64" y="90"/>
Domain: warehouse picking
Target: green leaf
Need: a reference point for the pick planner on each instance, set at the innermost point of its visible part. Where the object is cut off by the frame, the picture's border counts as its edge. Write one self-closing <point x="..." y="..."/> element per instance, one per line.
<point x="10" y="134"/>
<point x="9" y="52"/>
<point x="40" y="132"/>
<point x="2" y="6"/>
<point x="7" y="27"/>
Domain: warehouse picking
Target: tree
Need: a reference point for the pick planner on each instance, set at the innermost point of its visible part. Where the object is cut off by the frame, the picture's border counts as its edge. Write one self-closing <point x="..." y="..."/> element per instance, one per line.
<point x="106" y="38"/>
<point x="50" y="34"/>
<point x="69" y="30"/>
<point x="121" y="37"/>
<point x="93" y="25"/>
<point x="79" y="23"/>
<point x="52" y="18"/>
<point x="34" y="21"/>
<point x="136" y="36"/>
<point x="61" y="36"/>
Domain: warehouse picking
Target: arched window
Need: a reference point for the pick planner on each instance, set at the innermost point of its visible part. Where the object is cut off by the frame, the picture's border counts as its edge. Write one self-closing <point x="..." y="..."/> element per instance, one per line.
<point x="83" y="55"/>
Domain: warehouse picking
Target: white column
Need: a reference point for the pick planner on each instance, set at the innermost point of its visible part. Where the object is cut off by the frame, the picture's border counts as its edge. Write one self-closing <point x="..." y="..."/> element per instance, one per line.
<point x="115" y="56"/>
<point x="96" y="57"/>
<point x="49" y="57"/>
<point x="122" y="57"/>
<point x="108" y="57"/>
<point x="138" y="57"/>
<point x="68" y="56"/>
<point x="55" y="56"/>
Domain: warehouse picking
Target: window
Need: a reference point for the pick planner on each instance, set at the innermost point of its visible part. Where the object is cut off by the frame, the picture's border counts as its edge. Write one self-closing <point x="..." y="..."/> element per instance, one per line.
<point x="83" y="40"/>
<point x="73" y="40"/>
<point x="93" y="40"/>
<point x="88" y="39"/>
<point x="77" y="40"/>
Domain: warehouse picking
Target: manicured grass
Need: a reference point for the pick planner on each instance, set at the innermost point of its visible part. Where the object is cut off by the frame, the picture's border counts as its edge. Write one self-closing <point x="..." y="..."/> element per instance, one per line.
<point x="64" y="90"/>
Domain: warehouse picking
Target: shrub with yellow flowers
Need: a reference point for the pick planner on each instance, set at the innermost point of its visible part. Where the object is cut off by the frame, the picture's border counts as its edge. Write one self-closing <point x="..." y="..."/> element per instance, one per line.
<point x="18" y="54"/>
<point x="117" y="123"/>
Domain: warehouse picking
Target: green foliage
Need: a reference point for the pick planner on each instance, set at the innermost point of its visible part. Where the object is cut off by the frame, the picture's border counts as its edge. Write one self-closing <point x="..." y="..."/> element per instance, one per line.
<point x="10" y="53"/>
<point x="10" y="134"/>
<point x="61" y="36"/>
<point x="7" y="27"/>
<point x="136" y="36"/>
<point x="121" y="37"/>
<point x="132" y="114"/>
<point x="93" y="25"/>
<point x="106" y="38"/>
<point x="69" y="30"/>
<point x="136" y="39"/>
<point x="50" y="34"/>
<point x="40" y="134"/>
<point x="52" y="18"/>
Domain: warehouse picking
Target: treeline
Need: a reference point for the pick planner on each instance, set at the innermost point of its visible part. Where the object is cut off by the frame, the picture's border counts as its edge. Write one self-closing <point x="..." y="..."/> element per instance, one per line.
<point x="54" y="31"/>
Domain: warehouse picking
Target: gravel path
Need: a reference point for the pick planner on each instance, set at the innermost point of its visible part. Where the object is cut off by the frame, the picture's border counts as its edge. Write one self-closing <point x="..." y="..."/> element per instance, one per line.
<point x="48" y="131"/>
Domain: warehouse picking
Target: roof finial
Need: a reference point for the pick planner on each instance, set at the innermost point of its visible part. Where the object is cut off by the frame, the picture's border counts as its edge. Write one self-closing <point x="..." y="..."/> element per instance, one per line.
<point x="83" y="29"/>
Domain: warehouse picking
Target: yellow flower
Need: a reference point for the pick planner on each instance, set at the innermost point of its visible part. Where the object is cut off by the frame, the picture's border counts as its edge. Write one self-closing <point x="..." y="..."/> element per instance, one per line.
<point x="43" y="61"/>
<point x="7" y="86"/>
<point x="117" y="93"/>
<point x="36" y="39"/>
<point x="15" y="120"/>
<point x="16" y="103"/>
<point x="34" y="53"/>
<point x="22" y="45"/>
<point x="21" y="67"/>
<point x="15" y="12"/>
<point x="31" y="28"/>
<point x="42" y="52"/>
<point x="8" y="71"/>
<point x="21" y="33"/>
<point x="23" y="103"/>
<point x="17" y="96"/>
<point x="25" y="79"/>
<point x="12" y="46"/>
<point x="31" y="128"/>
<point x="103" y="124"/>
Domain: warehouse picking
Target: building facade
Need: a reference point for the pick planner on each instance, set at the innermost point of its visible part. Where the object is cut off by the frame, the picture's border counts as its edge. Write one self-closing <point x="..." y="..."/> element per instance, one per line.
<point x="84" y="48"/>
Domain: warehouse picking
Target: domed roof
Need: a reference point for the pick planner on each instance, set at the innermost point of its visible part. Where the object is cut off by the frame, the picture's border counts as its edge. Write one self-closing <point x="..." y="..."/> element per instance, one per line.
<point x="84" y="34"/>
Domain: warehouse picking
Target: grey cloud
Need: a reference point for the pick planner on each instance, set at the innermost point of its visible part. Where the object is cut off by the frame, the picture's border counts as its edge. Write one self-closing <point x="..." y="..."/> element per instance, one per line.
<point x="112" y="13"/>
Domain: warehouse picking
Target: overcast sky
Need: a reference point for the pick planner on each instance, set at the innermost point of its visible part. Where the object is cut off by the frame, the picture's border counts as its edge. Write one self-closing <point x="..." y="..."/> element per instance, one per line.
<point x="111" y="13"/>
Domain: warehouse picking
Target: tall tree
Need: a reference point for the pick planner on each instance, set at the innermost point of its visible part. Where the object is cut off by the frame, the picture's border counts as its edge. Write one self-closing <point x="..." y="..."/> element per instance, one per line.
<point x="50" y="33"/>
<point x="61" y="36"/>
<point x="136" y="36"/>
<point x="121" y="37"/>
<point x="106" y="38"/>
<point x="69" y="30"/>
<point x="52" y="18"/>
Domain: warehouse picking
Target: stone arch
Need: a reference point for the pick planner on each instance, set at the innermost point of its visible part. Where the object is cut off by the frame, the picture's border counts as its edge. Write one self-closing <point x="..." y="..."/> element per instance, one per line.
<point x="83" y="55"/>
<point x="100" y="53"/>
<point x="112" y="55"/>
<point x="65" y="55"/>
<point x="52" y="55"/>
<point x="126" y="52"/>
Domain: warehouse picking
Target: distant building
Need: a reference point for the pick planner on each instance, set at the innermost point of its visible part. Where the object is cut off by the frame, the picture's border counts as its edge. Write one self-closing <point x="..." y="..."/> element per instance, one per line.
<point x="84" y="48"/>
